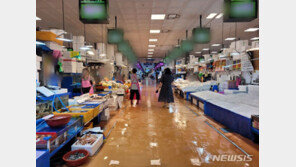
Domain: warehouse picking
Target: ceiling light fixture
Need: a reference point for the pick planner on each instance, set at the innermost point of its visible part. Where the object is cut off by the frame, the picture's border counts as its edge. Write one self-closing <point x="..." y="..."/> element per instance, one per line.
<point x="151" y="46"/>
<point x="149" y="55"/>
<point x="172" y="16"/>
<point x="219" y="16"/>
<point x="157" y="16"/>
<point x="251" y="29"/>
<point x="205" y="49"/>
<point x="90" y="52"/>
<point x="229" y="39"/>
<point x="154" y="31"/>
<point x="64" y="39"/>
<point x="152" y="40"/>
<point x="216" y="44"/>
<point x="84" y="48"/>
<point x="198" y="52"/>
<point x="255" y="38"/>
<point x="37" y="18"/>
<point x="214" y="52"/>
<point x="212" y="15"/>
<point x="150" y="50"/>
<point x="89" y="46"/>
<point x="39" y="43"/>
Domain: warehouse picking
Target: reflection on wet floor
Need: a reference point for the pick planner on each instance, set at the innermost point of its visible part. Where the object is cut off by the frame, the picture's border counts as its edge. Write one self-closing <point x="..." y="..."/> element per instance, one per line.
<point x="149" y="135"/>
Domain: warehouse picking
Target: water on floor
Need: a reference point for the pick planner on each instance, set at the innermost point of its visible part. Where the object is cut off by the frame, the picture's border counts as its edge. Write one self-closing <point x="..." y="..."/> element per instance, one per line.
<point x="180" y="136"/>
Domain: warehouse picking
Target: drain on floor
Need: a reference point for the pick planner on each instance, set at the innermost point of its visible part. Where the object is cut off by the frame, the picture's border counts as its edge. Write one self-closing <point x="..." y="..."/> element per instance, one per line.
<point x="192" y="111"/>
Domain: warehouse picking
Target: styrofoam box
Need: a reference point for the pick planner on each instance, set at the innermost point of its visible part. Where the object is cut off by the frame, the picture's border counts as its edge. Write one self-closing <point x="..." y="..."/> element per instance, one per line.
<point x="54" y="46"/>
<point x="201" y="105"/>
<point x="255" y="44"/>
<point x="105" y="115"/>
<point x="243" y="88"/>
<point x="38" y="65"/>
<point x="38" y="58"/>
<point x="92" y="149"/>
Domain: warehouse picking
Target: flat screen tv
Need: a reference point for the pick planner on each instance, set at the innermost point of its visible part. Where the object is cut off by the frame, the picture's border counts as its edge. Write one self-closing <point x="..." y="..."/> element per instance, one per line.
<point x="201" y="35"/>
<point x="240" y="10"/>
<point x="115" y="36"/>
<point x="94" y="11"/>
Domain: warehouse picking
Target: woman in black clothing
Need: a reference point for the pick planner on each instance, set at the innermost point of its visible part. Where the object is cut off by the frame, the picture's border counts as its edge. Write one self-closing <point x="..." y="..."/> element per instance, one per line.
<point x="166" y="91"/>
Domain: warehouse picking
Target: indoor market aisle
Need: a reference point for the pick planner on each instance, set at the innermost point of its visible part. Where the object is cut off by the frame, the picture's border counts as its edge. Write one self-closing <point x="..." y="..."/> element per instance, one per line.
<point x="177" y="137"/>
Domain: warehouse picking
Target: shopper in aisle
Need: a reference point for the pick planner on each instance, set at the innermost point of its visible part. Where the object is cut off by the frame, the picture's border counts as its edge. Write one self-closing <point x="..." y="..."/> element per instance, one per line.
<point x="87" y="82"/>
<point x="135" y="87"/>
<point x="165" y="86"/>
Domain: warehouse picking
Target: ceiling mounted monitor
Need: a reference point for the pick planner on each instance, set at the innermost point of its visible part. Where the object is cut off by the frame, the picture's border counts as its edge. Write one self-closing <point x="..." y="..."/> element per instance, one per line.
<point x="115" y="36"/>
<point x="93" y="12"/>
<point x="201" y="35"/>
<point x="240" y="10"/>
<point x="187" y="45"/>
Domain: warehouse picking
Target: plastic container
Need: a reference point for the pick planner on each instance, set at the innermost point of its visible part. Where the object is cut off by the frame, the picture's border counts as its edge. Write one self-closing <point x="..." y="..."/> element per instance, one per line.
<point x="87" y="116"/>
<point x="92" y="149"/>
<point x="76" y="162"/>
<point x="58" y="120"/>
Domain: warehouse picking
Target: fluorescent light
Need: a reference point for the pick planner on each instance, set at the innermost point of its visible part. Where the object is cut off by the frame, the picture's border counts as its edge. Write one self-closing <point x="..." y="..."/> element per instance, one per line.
<point x="64" y="39"/>
<point x="251" y="29"/>
<point x="149" y="55"/>
<point x="157" y="16"/>
<point x="84" y="48"/>
<point x="255" y="38"/>
<point x="197" y="52"/>
<point x="229" y="39"/>
<point x="37" y="18"/>
<point x="151" y="46"/>
<point x="152" y="40"/>
<point x="154" y="31"/>
<point x="150" y="50"/>
<point x="205" y="49"/>
<point x="219" y="16"/>
<point x="214" y="52"/>
<point x="212" y="15"/>
<point x="253" y="49"/>
<point x="39" y="43"/>
<point x="89" y="46"/>
<point x="91" y="52"/>
<point x="216" y="44"/>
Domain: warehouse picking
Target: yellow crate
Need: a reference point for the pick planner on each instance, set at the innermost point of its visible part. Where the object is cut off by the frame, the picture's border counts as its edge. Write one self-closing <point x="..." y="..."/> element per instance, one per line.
<point x="48" y="36"/>
<point x="87" y="116"/>
<point x="98" y="109"/>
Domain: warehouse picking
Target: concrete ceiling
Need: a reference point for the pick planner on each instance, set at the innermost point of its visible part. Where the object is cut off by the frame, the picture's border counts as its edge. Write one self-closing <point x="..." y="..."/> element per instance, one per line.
<point x="134" y="17"/>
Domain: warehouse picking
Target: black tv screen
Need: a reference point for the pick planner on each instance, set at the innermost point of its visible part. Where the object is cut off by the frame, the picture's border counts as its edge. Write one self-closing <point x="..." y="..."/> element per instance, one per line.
<point x="94" y="11"/>
<point x="240" y="10"/>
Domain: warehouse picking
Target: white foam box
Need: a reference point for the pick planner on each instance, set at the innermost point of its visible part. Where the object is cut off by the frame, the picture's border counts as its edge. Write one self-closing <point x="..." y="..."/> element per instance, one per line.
<point x="92" y="149"/>
<point x="105" y="115"/>
<point x="38" y="58"/>
<point x="201" y="105"/>
<point x="243" y="88"/>
<point x="255" y="44"/>
<point x="54" y="46"/>
<point x="38" y="66"/>
<point x="78" y="39"/>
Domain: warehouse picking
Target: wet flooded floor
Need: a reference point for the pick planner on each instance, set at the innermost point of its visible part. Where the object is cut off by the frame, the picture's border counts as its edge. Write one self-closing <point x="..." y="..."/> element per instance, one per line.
<point x="181" y="136"/>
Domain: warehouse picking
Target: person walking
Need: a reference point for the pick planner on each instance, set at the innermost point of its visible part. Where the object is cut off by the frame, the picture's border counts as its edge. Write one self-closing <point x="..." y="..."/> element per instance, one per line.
<point x="166" y="92"/>
<point x="135" y="87"/>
